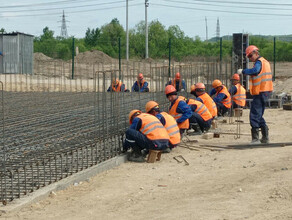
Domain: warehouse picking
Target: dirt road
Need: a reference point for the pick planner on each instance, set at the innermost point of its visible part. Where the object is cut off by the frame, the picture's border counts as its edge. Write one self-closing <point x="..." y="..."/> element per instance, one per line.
<point x="224" y="184"/>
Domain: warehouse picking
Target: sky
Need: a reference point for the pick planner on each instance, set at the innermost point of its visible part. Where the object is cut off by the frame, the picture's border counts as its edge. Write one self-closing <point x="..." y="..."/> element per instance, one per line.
<point x="267" y="17"/>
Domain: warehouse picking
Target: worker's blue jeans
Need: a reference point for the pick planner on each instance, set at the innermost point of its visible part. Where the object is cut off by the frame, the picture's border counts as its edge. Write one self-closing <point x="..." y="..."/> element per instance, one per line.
<point x="221" y="109"/>
<point x="204" y="125"/>
<point x="257" y="109"/>
<point x="136" y="139"/>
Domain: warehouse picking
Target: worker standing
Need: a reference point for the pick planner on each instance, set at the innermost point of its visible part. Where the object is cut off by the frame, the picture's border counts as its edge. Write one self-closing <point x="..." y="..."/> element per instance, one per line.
<point x="260" y="87"/>
<point x="237" y="92"/>
<point x="201" y="119"/>
<point x="178" y="108"/>
<point x="140" y="85"/>
<point x="117" y="86"/>
<point x="199" y="90"/>
<point x="167" y="121"/>
<point x="178" y="83"/>
<point x="221" y="97"/>
<point x="146" y="132"/>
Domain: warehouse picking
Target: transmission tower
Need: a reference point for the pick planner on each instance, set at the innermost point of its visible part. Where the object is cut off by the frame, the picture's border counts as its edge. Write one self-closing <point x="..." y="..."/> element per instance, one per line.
<point x="64" y="33"/>
<point x="218" y="30"/>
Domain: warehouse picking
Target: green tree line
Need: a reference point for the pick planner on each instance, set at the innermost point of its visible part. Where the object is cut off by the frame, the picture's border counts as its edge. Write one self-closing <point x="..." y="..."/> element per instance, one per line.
<point x="106" y="39"/>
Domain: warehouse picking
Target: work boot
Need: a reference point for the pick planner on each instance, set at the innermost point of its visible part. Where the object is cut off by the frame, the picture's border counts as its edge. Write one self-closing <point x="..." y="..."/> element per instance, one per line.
<point x="265" y="135"/>
<point x="255" y="136"/>
<point x="136" y="158"/>
<point x="197" y="129"/>
<point x="166" y="150"/>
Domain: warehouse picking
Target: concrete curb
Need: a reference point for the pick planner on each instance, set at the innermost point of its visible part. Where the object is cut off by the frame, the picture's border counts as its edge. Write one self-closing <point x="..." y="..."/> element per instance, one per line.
<point x="44" y="192"/>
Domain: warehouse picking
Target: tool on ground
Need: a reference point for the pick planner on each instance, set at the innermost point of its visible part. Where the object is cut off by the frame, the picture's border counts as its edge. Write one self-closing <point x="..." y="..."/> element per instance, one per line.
<point x="182" y="159"/>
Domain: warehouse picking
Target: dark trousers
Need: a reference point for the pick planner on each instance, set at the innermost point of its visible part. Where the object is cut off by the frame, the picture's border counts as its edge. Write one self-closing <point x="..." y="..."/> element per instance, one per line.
<point x="221" y="109"/>
<point x="234" y="105"/>
<point x="204" y="125"/>
<point x="138" y="141"/>
<point x="257" y="109"/>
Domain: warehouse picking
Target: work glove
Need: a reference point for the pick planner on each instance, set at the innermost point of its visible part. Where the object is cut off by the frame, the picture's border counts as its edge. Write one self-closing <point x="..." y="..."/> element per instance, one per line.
<point x="239" y="71"/>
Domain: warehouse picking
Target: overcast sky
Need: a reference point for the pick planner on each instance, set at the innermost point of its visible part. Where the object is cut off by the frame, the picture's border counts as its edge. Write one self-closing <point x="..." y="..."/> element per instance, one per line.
<point x="267" y="17"/>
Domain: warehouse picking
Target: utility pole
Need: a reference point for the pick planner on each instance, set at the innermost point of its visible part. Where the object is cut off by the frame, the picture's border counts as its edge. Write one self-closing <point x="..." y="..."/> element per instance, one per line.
<point x="146" y="29"/>
<point x="206" y="29"/>
<point x="127" y="29"/>
<point x="64" y="33"/>
<point x="218" y="30"/>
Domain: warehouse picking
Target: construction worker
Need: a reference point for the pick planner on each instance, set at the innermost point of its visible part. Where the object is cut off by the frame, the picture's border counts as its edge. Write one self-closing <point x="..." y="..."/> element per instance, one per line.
<point x="201" y="119"/>
<point x="178" y="108"/>
<point x="140" y="85"/>
<point x="117" y="86"/>
<point x="260" y="87"/>
<point x="237" y="92"/>
<point x="221" y="97"/>
<point x="167" y="121"/>
<point x="199" y="90"/>
<point x="145" y="133"/>
<point x="178" y="83"/>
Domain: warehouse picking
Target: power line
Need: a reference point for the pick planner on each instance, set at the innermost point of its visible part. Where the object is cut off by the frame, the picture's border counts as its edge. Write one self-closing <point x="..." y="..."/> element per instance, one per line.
<point x="246" y="3"/>
<point x="214" y="10"/>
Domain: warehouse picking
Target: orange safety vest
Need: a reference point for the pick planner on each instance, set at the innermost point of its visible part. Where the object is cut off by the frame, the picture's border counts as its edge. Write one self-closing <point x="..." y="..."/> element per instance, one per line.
<point x="227" y="101"/>
<point x="209" y="103"/>
<point x="176" y="115"/>
<point x="240" y="96"/>
<point x="143" y="81"/>
<point x="173" y="82"/>
<point x="117" y="88"/>
<point x="263" y="82"/>
<point x="152" y="127"/>
<point x="171" y="128"/>
<point x="201" y="109"/>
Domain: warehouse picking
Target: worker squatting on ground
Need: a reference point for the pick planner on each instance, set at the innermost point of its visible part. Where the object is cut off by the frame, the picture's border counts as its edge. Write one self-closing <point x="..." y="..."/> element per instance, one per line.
<point x="167" y="121"/>
<point x="140" y="85"/>
<point x="178" y="83"/>
<point x="260" y="87"/>
<point x="145" y="133"/>
<point x="237" y="92"/>
<point x="117" y="86"/>
<point x="178" y="108"/>
<point x="221" y="97"/>
<point x="199" y="90"/>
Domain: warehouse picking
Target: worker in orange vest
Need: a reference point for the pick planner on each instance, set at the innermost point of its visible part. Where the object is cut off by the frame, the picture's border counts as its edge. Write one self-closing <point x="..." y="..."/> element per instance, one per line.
<point x="178" y="108"/>
<point x="201" y="119"/>
<point x="178" y="83"/>
<point x="199" y="90"/>
<point x="145" y="133"/>
<point x="140" y="85"/>
<point x="167" y="121"/>
<point x="260" y="87"/>
<point x="237" y="92"/>
<point x="117" y="86"/>
<point x="221" y="97"/>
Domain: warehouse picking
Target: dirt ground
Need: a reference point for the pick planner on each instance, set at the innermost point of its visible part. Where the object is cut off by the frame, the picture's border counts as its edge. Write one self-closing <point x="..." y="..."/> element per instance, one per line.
<point x="217" y="184"/>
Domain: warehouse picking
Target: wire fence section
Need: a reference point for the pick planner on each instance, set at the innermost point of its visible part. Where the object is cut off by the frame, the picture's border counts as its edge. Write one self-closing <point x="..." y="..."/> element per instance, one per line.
<point x="53" y="126"/>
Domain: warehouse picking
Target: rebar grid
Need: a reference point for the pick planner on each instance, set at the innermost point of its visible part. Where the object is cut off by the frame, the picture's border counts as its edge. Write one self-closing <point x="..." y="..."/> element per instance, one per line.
<point x="49" y="134"/>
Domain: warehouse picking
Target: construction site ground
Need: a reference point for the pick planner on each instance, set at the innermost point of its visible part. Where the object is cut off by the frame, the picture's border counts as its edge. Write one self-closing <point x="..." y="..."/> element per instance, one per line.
<point x="217" y="184"/>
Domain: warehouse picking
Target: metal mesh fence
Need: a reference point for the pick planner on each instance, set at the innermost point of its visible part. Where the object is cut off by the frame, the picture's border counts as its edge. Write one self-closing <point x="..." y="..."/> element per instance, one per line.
<point x="54" y="126"/>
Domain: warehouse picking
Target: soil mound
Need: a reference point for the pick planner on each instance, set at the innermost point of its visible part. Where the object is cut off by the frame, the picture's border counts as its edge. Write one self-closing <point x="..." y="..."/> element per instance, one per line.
<point x="41" y="57"/>
<point x="94" y="56"/>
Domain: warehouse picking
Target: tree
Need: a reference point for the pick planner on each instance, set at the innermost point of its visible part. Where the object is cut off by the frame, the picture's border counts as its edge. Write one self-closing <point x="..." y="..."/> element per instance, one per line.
<point x="92" y="37"/>
<point x="47" y="34"/>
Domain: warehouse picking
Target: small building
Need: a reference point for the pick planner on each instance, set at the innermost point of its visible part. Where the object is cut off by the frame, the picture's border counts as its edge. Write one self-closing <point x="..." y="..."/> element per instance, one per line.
<point x="18" y="53"/>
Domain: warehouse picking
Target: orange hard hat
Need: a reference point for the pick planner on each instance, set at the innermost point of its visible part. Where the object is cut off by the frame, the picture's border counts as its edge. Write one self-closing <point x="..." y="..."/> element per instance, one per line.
<point x="216" y="83"/>
<point x="177" y="75"/>
<point x="250" y="49"/>
<point x="193" y="88"/>
<point x="132" y="113"/>
<point x="200" y="85"/>
<point x="150" y="105"/>
<point x="140" y="76"/>
<point x="235" y="77"/>
<point x="169" y="89"/>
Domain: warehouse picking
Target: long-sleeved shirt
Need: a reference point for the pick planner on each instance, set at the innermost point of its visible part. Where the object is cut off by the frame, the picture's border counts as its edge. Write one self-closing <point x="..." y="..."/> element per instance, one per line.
<point x="161" y="118"/>
<point x="219" y="97"/>
<point x="255" y="70"/>
<point x="232" y="90"/>
<point x="136" y="124"/>
<point x="183" y="84"/>
<point x="122" y="88"/>
<point x="184" y="109"/>
<point x="144" y="88"/>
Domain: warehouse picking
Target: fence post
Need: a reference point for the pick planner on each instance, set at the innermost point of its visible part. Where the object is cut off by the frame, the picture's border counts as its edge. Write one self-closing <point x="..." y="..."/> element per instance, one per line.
<point x="274" y="71"/>
<point x="73" y="53"/>
<point x="169" y="56"/>
<point x="120" y="59"/>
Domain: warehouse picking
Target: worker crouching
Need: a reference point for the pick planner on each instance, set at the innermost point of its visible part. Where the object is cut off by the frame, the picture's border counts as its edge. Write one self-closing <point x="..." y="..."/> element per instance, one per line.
<point x="237" y="92"/>
<point x="145" y="133"/>
<point x="178" y="108"/>
<point x="167" y="121"/>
